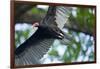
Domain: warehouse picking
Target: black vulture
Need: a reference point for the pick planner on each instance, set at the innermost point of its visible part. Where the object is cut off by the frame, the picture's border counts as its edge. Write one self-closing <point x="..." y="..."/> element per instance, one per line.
<point x="49" y="29"/>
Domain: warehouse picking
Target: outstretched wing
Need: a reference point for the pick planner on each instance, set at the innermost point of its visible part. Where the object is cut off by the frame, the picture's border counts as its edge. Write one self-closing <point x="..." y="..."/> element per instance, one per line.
<point x="32" y="50"/>
<point x="56" y="15"/>
<point x="35" y="47"/>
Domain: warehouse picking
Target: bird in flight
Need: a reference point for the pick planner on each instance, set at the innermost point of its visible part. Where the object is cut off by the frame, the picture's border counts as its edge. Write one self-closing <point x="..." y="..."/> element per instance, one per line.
<point x="49" y="29"/>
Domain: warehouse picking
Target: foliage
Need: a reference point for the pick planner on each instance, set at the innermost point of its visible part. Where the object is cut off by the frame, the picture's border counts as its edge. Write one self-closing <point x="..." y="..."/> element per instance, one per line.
<point x="83" y="19"/>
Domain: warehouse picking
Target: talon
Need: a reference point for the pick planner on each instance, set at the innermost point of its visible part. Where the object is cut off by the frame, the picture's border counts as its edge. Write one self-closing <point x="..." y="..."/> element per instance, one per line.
<point x="60" y="37"/>
<point x="61" y="34"/>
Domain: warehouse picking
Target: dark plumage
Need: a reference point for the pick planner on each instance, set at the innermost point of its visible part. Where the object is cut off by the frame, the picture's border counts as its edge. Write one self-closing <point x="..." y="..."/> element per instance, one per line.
<point x="43" y="32"/>
<point x="38" y="44"/>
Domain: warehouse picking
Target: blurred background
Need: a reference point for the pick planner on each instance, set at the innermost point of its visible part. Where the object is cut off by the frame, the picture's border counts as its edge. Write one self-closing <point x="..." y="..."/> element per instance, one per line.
<point x="81" y="26"/>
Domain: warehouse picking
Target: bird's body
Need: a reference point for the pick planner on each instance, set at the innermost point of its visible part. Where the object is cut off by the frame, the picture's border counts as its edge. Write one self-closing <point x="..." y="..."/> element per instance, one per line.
<point x="38" y="44"/>
<point x="42" y="33"/>
<point x="44" y="36"/>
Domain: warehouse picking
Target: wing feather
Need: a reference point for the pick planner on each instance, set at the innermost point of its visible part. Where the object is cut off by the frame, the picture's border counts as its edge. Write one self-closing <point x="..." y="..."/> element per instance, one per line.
<point x="62" y="15"/>
<point x="34" y="48"/>
<point x="31" y="51"/>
